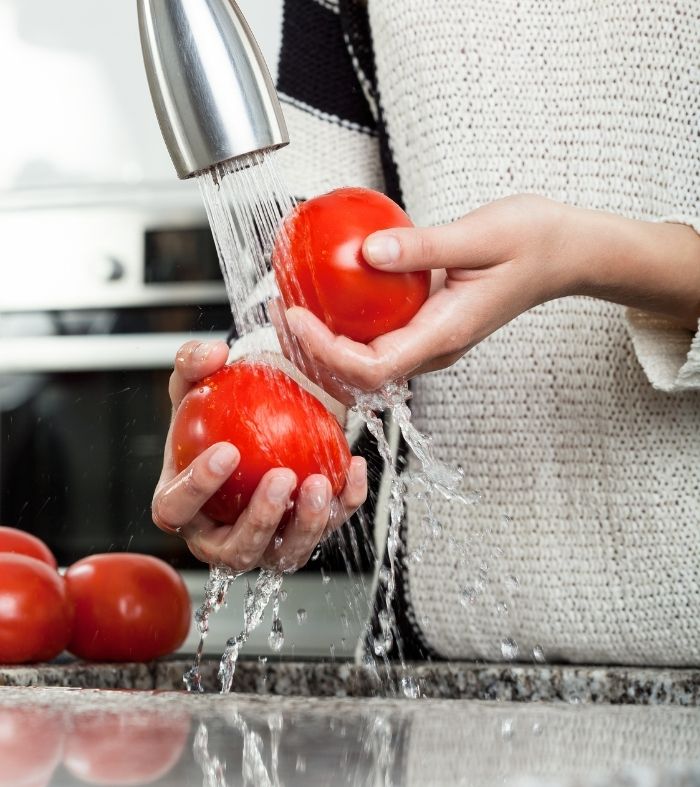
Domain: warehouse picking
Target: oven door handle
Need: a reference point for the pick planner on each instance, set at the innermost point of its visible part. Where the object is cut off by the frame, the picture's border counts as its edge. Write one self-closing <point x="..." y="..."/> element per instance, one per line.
<point x="116" y="352"/>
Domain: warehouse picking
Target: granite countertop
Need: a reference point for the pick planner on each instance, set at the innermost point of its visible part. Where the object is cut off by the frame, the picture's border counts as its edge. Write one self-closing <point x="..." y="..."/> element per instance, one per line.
<point x="449" y="680"/>
<point x="70" y="737"/>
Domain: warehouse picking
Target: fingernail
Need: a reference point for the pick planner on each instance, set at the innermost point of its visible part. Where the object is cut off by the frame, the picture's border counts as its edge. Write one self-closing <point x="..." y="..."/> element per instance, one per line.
<point x="382" y="249"/>
<point x="222" y="460"/>
<point x="201" y="351"/>
<point x="358" y="471"/>
<point x="280" y="488"/>
<point x="316" y="495"/>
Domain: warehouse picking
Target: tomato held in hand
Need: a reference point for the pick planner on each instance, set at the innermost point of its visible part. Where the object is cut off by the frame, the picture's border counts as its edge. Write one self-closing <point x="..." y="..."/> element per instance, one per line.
<point x="272" y="421"/>
<point x="36" y="614"/>
<point x="319" y="265"/>
<point x="125" y="748"/>
<point x="127" y="608"/>
<point x="22" y="543"/>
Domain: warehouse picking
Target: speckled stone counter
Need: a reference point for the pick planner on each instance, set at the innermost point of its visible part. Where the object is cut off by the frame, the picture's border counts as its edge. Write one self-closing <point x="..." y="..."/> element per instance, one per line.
<point x="454" y="680"/>
<point x="69" y="737"/>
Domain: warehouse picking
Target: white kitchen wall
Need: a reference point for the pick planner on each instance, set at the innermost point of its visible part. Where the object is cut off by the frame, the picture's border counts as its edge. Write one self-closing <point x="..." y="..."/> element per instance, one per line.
<point x="76" y="108"/>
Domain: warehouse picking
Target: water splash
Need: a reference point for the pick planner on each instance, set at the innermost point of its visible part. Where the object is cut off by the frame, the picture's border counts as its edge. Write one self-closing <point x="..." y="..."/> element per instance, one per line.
<point x="215" y="592"/>
<point x="266" y="587"/>
<point x="509" y="649"/>
<point x="247" y="202"/>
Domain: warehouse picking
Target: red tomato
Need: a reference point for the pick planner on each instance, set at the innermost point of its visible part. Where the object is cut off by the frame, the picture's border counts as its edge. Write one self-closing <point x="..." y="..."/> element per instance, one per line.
<point x="127" y="608"/>
<point x="31" y="746"/>
<point x="125" y="748"/>
<point x="272" y="421"/>
<point x="319" y="265"/>
<point x="21" y="543"/>
<point x="36" y="614"/>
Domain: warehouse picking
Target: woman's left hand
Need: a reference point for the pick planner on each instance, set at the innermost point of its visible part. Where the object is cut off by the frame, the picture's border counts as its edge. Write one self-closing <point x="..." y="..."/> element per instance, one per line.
<point x="499" y="261"/>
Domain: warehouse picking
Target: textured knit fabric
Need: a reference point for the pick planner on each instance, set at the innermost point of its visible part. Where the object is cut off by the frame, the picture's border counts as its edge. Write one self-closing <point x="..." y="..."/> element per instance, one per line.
<point x="560" y="419"/>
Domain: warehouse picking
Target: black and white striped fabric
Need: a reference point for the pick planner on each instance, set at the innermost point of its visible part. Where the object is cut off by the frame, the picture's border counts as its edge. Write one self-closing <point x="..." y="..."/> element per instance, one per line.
<point x="327" y="84"/>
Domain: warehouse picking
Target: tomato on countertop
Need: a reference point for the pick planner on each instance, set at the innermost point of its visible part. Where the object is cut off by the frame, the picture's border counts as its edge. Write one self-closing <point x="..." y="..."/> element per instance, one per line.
<point x="127" y="608"/>
<point x="272" y="421"/>
<point x="36" y="612"/>
<point x="23" y="543"/>
<point x="319" y="264"/>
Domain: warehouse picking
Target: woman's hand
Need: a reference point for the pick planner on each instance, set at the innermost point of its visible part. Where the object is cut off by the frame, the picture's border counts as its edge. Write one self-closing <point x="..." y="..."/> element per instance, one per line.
<point x="250" y="542"/>
<point x="500" y="261"/>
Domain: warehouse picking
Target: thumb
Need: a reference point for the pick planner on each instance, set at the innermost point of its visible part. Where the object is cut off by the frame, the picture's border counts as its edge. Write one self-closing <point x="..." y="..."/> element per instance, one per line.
<point x="473" y="241"/>
<point x="413" y="249"/>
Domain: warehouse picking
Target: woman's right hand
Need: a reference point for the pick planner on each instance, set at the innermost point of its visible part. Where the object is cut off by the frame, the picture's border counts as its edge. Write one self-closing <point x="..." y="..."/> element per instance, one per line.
<point x="250" y="542"/>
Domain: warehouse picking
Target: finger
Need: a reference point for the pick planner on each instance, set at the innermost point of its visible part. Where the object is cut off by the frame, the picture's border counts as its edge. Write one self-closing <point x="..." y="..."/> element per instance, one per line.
<point x="449" y="323"/>
<point x="302" y="534"/>
<point x="353" y="495"/>
<point x="394" y="356"/>
<point x="197" y="532"/>
<point x="195" y="360"/>
<point x="474" y="241"/>
<point x="249" y="538"/>
<point x="177" y="501"/>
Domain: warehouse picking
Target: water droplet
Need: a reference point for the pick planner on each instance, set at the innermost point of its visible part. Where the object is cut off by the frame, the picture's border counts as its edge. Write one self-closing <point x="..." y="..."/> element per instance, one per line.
<point x="343" y="642"/>
<point x="301" y="616"/>
<point x="384" y="575"/>
<point x="509" y="648"/>
<point x="512" y="583"/>
<point x="278" y="542"/>
<point x="497" y="552"/>
<point x="283" y="595"/>
<point x="502" y="608"/>
<point x="378" y="646"/>
<point x="506" y="520"/>
<point x="538" y="654"/>
<point x="392" y="543"/>
<point x="345" y="623"/>
<point x="410" y="687"/>
<point x="484" y="567"/>
<point x="537" y="729"/>
<point x="301" y="764"/>
<point x="262" y="659"/>
<point x="416" y="556"/>
<point x="276" y="637"/>
<point x="332" y="649"/>
<point x="384" y="620"/>
<point x="507" y="729"/>
<point x="425" y="620"/>
<point x="468" y="596"/>
<point x="317" y="554"/>
<point x="325" y="578"/>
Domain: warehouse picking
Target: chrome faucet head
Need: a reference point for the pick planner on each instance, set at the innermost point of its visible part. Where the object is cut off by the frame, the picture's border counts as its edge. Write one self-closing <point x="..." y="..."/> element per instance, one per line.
<point x="212" y="91"/>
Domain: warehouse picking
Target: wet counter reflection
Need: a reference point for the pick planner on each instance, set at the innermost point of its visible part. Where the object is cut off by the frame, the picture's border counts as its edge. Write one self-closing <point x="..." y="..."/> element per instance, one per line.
<point x="65" y="738"/>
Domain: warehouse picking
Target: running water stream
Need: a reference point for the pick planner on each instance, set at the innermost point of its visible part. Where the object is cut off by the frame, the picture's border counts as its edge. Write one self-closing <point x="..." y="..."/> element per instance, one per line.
<point x="247" y="202"/>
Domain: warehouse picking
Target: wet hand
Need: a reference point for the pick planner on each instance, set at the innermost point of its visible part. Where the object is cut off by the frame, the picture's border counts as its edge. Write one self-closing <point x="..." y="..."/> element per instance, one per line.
<point x="496" y="263"/>
<point x="254" y="539"/>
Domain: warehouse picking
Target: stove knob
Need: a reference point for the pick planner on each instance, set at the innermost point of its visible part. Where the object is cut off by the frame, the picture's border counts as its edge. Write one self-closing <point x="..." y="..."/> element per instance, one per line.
<point x="113" y="269"/>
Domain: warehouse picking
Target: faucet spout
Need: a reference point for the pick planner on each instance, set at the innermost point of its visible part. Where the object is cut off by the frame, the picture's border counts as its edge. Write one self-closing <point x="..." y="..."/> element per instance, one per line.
<point x="211" y="89"/>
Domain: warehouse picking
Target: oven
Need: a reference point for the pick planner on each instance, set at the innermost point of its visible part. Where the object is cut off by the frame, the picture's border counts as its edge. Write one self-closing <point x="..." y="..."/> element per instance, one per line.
<point x="88" y="335"/>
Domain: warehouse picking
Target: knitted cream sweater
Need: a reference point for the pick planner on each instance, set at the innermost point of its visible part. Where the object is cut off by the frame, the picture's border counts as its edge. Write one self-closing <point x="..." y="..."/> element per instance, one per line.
<point x="579" y="423"/>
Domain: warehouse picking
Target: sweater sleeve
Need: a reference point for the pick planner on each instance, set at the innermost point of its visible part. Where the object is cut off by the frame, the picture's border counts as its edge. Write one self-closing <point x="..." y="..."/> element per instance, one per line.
<point x="668" y="353"/>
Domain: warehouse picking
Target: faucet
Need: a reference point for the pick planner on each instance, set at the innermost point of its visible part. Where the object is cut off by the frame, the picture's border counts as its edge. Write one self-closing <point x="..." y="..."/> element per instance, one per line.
<point x="211" y="89"/>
